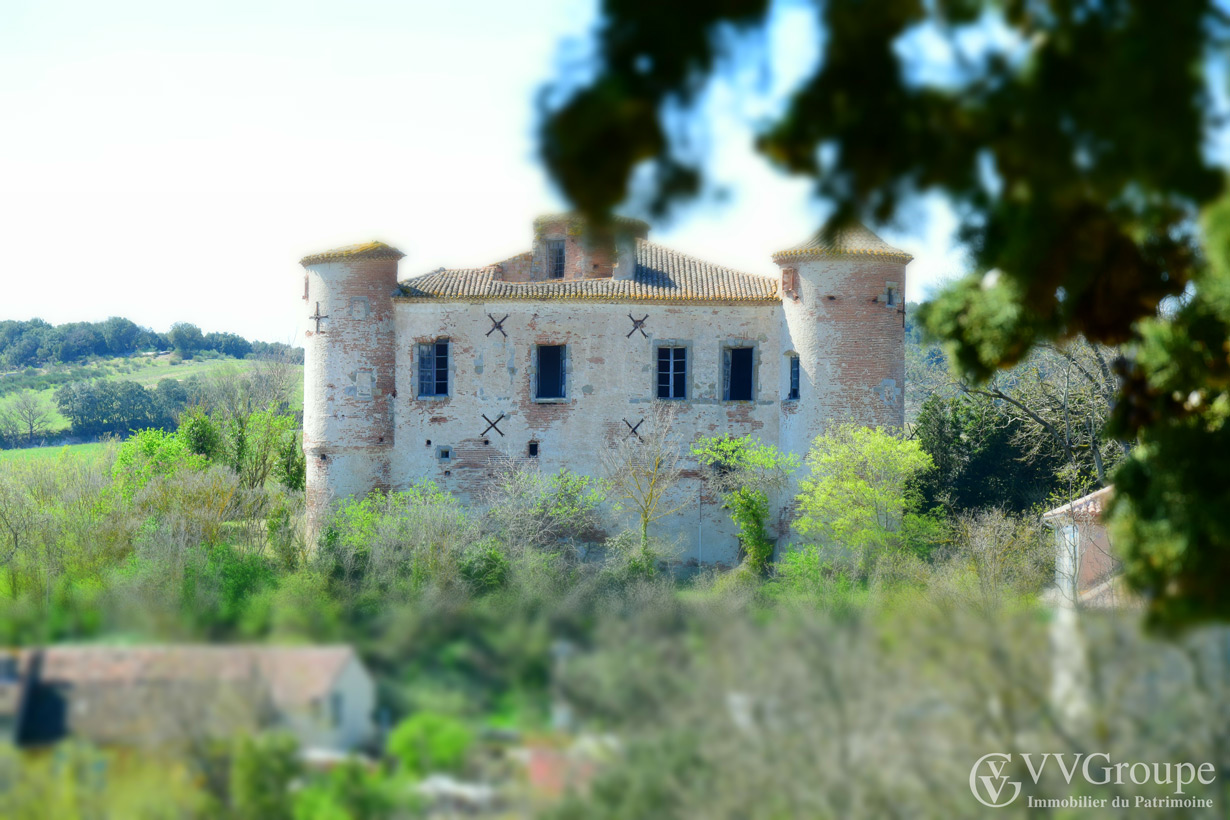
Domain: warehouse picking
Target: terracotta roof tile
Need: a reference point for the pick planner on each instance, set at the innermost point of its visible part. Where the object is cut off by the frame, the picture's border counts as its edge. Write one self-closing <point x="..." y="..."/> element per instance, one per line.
<point x="854" y="240"/>
<point x="295" y="675"/>
<point x="661" y="274"/>
<point x="366" y="250"/>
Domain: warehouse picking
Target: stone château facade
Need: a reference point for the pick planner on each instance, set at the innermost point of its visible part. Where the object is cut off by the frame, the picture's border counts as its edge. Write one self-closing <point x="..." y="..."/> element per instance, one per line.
<point x="558" y="352"/>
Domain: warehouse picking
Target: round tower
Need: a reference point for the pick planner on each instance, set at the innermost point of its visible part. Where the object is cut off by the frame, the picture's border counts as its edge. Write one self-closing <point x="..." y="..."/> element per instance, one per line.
<point x="348" y="374"/>
<point x="843" y="315"/>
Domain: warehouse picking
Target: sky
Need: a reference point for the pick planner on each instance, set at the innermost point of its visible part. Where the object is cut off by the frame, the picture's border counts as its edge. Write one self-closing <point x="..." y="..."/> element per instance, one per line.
<point x="172" y="162"/>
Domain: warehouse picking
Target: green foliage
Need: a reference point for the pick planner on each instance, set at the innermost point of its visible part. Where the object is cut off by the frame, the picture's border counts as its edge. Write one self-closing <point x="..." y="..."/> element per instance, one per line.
<point x="349" y="792"/>
<point x="1077" y="199"/>
<point x="216" y="593"/>
<point x="394" y="544"/>
<point x="1171" y="492"/>
<point x="290" y="465"/>
<point x="977" y="462"/>
<point x="262" y="770"/>
<point x="200" y="433"/>
<point x="861" y="495"/>
<point x="151" y="453"/>
<point x="747" y="470"/>
<point x="186" y="338"/>
<point x="428" y="742"/>
<point x="485" y="566"/>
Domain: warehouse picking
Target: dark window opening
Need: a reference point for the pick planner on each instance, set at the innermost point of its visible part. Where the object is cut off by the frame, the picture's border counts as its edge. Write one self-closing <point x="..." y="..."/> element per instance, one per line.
<point x="672" y="372"/>
<point x="428" y="442"/>
<point x="555" y="259"/>
<point x="738" y="366"/>
<point x="794" y="378"/>
<point x="445" y="453"/>
<point x="891" y="297"/>
<point x="551" y="376"/>
<point x="533" y="451"/>
<point x="433" y="368"/>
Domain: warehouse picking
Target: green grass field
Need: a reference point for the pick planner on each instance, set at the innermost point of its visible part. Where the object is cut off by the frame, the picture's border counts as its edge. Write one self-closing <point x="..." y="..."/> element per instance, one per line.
<point x="144" y="371"/>
<point x="69" y="452"/>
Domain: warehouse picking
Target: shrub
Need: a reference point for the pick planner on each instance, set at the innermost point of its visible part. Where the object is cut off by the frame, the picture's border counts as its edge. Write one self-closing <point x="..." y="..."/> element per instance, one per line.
<point x="430" y="742"/>
<point x="149" y="454"/>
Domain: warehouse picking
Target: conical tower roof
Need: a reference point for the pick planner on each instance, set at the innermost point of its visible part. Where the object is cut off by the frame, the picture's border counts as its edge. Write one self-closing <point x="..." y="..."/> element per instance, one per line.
<point x="366" y="250"/>
<point x="852" y="240"/>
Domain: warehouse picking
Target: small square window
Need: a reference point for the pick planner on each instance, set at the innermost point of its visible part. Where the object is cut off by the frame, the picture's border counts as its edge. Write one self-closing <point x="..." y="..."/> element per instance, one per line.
<point x="444" y="453"/>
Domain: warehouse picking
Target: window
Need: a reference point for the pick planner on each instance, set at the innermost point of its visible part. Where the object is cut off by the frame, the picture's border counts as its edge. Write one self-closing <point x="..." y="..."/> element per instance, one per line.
<point x="672" y="372"/>
<point x="891" y="297"/>
<point x="335" y="709"/>
<point x="794" y="378"/>
<point x="737" y="378"/>
<point x="555" y="259"/>
<point x="533" y="449"/>
<point x="444" y="453"/>
<point x="552" y="380"/>
<point x="433" y="368"/>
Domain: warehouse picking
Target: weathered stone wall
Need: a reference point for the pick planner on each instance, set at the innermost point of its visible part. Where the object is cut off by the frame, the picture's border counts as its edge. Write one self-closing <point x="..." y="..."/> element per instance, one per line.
<point x="366" y="427"/>
<point x="349" y="383"/>
<point x="611" y="382"/>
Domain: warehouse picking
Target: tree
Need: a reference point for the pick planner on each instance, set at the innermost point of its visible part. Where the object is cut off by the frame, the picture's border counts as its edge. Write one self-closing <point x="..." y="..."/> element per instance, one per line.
<point x="186" y="338"/>
<point x="29" y="416"/>
<point x="745" y="471"/>
<point x="861" y="496"/>
<point x="1059" y="399"/>
<point x="642" y="468"/>
<point x="1077" y="198"/>
<point x="262" y="771"/>
<point x="121" y="336"/>
<point x="979" y="461"/>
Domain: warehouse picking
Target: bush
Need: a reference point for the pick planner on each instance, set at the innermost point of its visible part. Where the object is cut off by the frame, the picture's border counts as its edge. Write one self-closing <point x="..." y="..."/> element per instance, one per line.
<point x="149" y="454"/>
<point x="430" y="742"/>
<point x="485" y="566"/>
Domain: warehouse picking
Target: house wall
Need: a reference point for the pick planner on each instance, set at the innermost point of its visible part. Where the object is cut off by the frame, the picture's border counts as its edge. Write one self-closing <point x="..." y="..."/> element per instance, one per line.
<point x="314" y="725"/>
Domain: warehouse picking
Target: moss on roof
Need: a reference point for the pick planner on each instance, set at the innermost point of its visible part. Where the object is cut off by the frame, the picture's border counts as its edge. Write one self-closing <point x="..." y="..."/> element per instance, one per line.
<point x="853" y="240"/>
<point x="366" y="250"/>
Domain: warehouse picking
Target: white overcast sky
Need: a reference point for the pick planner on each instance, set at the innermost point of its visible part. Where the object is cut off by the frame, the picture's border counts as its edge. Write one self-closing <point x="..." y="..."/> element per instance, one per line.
<point x="170" y="161"/>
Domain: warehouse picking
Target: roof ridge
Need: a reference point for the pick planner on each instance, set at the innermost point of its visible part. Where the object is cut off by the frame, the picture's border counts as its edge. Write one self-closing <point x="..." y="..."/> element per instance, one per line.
<point x="697" y="259"/>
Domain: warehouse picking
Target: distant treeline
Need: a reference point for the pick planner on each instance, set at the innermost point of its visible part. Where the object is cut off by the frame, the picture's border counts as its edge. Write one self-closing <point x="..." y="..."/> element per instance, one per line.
<point x="37" y="343"/>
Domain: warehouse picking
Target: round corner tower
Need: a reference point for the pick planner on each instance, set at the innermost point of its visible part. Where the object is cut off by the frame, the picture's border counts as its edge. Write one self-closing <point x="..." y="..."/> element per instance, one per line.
<point x="348" y="375"/>
<point x="843" y="311"/>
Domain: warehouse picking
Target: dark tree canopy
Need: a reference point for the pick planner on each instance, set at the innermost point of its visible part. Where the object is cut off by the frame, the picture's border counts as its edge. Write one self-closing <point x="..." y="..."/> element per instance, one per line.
<point x="1076" y="158"/>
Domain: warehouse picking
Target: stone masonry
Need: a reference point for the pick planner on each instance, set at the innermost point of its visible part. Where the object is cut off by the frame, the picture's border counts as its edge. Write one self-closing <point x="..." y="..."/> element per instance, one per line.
<point x="437" y="376"/>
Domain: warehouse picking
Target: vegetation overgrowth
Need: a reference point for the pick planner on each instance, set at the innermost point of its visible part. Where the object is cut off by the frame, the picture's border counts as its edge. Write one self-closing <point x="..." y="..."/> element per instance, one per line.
<point x="902" y="608"/>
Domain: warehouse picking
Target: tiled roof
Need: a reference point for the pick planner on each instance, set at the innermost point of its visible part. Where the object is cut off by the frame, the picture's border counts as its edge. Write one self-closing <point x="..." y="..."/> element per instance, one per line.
<point x="853" y="240"/>
<point x="1086" y="508"/>
<point x="366" y="250"/>
<point x="295" y="675"/>
<point x="661" y="275"/>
